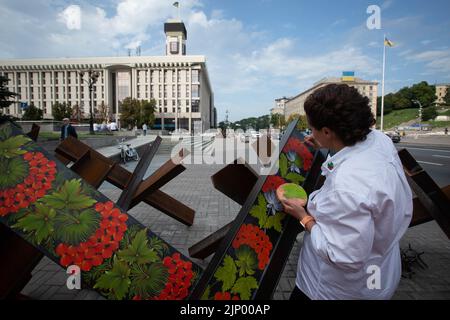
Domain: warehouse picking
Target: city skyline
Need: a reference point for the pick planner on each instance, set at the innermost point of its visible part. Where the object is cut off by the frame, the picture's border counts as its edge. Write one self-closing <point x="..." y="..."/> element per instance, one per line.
<point x="256" y="51"/>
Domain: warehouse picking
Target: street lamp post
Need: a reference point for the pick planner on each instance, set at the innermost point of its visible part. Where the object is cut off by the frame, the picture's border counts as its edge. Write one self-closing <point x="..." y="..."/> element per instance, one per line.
<point x="420" y="113"/>
<point x="92" y="79"/>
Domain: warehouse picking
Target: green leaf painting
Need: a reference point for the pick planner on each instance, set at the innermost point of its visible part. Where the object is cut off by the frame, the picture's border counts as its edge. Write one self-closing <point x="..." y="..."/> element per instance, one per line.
<point x="116" y="281"/>
<point x="244" y="287"/>
<point x="265" y="221"/>
<point x="148" y="280"/>
<point x="40" y="223"/>
<point x="138" y="252"/>
<point x="69" y="196"/>
<point x="247" y="261"/>
<point x="11" y="147"/>
<point x="227" y="273"/>
<point x="78" y="226"/>
<point x="12" y="172"/>
<point x="295" y="177"/>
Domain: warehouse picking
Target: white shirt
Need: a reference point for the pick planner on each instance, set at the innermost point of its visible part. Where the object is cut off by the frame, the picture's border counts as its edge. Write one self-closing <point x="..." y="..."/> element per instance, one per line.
<point x="362" y="211"/>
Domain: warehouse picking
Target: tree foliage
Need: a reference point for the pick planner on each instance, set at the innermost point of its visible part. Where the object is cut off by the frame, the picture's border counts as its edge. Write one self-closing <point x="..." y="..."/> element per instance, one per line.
<point x="302" y="122"/>
<point x="403" y="99"/>
<point x="61" y="111"/>
<point x="447" y="97"/>
<point x="429" y="114"/>
<point x="6" y="96"/>
<point x="137" y="112"/>
<point x="33" y="113"/>
<point x="278" y="120"/>
<point x="102" y="113"/>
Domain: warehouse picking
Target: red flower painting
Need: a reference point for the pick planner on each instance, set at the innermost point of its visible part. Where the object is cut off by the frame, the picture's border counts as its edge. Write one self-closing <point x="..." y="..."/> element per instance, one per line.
<point x="41" y="174"/>
<point x="295" y="145"/>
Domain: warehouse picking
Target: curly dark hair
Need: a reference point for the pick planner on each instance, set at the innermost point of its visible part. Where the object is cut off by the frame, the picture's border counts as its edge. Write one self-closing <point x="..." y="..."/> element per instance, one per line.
<point x="343" y="110"/>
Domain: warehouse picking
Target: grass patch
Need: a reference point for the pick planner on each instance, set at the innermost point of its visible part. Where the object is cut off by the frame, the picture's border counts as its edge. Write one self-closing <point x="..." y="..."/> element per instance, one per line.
<point x="397" y="117"/>
<point x="446" y="113"/>
<point x="81" y="135"/>
<point x="439" y="124"/>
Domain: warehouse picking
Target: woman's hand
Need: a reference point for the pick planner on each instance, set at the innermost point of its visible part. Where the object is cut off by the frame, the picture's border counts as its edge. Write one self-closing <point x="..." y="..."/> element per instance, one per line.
<point x="312" y="142"/>
<point x="295" y="207"/>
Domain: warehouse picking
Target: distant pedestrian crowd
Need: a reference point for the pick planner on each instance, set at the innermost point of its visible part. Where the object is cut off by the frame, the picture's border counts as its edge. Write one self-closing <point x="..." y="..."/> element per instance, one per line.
<point x="110" y="126"/>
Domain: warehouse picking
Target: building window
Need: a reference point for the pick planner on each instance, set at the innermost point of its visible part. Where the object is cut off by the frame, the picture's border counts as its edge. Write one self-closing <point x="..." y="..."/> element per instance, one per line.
<point x="187" y="91"/>
<point x="187" y="76"/>
<point x="187" y="102"/>
<point x="195" y="76"/>
<point x="195" y="106"/>
<point x="195" y="91"/>
<point x="174" y="47"/>
<point x="187" y="109"/>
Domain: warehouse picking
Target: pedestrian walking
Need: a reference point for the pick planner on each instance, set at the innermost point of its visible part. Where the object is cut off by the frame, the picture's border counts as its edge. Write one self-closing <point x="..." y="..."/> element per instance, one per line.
<point x="144" y="128"/>
<point x="68" y="130"/>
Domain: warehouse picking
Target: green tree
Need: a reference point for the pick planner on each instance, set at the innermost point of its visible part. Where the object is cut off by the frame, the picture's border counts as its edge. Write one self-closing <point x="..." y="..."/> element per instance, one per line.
<point x="447" y="97"/>
<point x="135" y="112"/>
<point x="147" y="114"/>
<point x="33" y="113"/>
<point x="429" y="114"/>
<point x="129" y="112"/>
<point x="263" y="122"/>
<point x="102" y="113"/>
<point x="388" y="104"/>
<point x="302" y="123"/>
<point x="423" y="92"/>
<point x="278" y="121"/>
<point x="61" y="111"/>
<point x="6" y="96"/>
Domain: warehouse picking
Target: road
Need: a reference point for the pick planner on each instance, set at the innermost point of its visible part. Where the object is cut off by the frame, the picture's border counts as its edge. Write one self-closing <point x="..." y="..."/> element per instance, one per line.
<point x="434" y="159"/>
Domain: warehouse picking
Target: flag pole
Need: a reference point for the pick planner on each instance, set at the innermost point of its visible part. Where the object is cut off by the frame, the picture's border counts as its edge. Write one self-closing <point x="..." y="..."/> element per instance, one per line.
<point x="382" y="83"/>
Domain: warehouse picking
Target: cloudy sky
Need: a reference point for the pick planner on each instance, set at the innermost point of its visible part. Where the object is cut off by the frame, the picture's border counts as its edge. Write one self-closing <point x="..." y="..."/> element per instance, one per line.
<point x="256" y="50"/>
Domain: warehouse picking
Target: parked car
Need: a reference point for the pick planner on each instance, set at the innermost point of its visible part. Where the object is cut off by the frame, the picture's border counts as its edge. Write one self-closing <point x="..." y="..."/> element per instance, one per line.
<point x="395" y="137"/>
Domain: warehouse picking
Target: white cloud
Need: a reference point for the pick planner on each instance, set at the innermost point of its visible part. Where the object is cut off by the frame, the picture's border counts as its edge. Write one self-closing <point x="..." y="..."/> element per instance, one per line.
<point x="426" y="42"/>
<point x="71" y="17"/>
<point x="387" y="4"/>
<point x="436" y="61"/>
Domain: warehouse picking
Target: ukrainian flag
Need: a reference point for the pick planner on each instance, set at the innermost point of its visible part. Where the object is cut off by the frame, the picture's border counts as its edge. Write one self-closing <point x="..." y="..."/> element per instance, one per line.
<point x="388" y="43"/>
<point x="348" y="76"/>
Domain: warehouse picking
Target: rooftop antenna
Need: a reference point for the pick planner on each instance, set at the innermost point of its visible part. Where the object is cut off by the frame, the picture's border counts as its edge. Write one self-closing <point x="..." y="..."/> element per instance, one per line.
<point x="138" y="51"/>
<point x="177" y="5"/>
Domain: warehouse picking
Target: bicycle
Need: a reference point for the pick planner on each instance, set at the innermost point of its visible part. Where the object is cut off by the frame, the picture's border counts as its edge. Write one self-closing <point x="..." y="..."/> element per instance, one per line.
<point x="127" y="152"/>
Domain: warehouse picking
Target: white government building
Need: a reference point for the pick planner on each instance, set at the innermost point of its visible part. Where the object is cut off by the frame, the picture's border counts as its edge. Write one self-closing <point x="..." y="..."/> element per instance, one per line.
<point x="367" y="88"/>
<point x="179" y="83"/>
